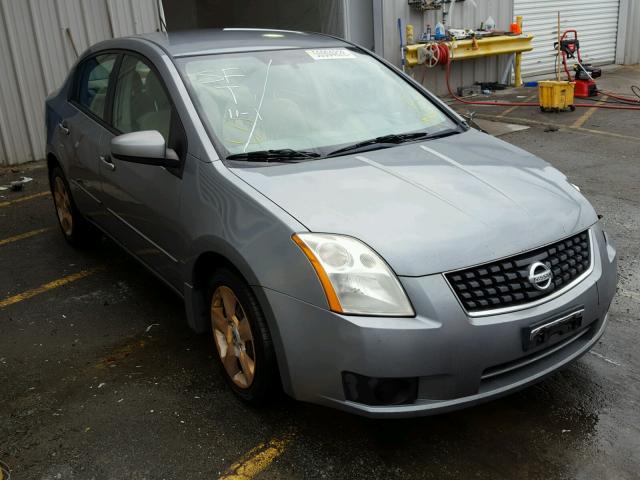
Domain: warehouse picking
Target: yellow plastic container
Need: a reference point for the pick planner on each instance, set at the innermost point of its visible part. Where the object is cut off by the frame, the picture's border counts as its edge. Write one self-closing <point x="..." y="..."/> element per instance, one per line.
<point x="555" y="96"/>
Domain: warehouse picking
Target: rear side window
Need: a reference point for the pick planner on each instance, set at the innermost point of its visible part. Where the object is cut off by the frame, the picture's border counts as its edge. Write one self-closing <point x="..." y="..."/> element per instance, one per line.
<point x="93" y="83"/>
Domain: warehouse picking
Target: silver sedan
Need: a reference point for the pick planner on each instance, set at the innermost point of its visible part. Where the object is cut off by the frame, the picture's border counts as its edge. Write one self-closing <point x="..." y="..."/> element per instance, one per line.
<point x="340" y="232"/>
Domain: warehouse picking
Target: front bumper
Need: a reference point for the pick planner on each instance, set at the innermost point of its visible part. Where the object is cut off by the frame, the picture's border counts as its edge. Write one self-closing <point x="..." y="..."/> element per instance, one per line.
<point x="459" y="361"/>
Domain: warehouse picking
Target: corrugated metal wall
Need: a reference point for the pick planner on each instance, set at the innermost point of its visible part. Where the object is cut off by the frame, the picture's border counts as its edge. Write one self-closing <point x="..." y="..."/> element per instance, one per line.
<point x="629" y="33"/>
<point x="36" y="52"/>
<point x="595" y="20"/>
<point x="467" y="14"/>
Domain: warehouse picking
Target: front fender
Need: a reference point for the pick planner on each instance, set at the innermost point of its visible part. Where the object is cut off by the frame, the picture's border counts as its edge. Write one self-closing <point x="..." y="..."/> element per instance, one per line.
<point x="225" y="216"/>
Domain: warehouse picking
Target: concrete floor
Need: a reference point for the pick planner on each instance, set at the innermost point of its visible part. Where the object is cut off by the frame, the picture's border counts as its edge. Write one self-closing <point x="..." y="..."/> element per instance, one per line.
<point x="101" y="378"/>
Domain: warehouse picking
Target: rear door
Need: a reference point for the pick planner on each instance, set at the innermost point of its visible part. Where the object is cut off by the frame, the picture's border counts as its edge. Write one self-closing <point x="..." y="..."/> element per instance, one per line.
<point x="143" y="201"/>
<point x="85" y="130"/>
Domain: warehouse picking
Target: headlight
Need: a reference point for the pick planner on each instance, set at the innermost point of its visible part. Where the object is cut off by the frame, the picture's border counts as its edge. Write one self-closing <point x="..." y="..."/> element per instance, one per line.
<point x="354" y="277"/>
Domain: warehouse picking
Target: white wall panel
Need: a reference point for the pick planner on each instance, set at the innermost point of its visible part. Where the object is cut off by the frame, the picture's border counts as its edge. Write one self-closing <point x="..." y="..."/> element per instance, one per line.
<point x="628" y="48"/>
<point x="632" y="40"/>
<point x="595" y="20"/>
<point x="36" y="53"/>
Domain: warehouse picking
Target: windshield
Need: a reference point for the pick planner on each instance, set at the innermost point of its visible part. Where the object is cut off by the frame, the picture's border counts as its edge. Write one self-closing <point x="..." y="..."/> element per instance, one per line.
<point x="312" y="100"/>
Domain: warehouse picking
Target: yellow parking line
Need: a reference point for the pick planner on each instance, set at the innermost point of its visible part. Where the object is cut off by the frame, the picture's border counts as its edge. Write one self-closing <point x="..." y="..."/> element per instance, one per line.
<point x="24" y="235"/>
<point x="511" y="109"/>
<point x="5" y="471"/>
<point x="257" y="460"/>
<point x="508" y="111"/>
<point x="587" y="115"/>
<point x="24" y="199"/>
<point x="48" y="286"/>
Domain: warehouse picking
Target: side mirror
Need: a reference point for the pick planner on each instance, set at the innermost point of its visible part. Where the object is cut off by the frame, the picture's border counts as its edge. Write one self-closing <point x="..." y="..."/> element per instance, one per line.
<point x="147" y="147"/>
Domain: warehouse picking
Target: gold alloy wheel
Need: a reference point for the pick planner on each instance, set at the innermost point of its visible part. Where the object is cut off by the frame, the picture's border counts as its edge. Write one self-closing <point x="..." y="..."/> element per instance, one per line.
<point x="232" y="336"/>
<point x="63" y="205"/>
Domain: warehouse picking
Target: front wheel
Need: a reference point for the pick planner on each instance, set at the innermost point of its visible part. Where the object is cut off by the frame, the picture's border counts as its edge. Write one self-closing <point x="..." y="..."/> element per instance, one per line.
<point x="241" y="337"/>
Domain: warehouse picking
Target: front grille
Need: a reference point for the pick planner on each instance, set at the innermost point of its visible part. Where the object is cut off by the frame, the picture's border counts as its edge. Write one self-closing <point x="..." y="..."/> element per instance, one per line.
<point x="504" y="283"/>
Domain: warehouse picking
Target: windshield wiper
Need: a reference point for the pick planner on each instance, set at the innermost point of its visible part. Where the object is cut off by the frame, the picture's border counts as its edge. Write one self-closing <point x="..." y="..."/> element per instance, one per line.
<point x="383" y="141"/>
<point x="281" y="155"/>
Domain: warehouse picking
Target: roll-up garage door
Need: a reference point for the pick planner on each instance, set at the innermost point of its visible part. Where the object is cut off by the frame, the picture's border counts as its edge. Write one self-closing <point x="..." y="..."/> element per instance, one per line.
<point x="595" y="20"/>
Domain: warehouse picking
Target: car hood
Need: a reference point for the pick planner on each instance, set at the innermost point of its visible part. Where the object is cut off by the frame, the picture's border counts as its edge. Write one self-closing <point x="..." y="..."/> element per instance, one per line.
<point x="432" y="206"/>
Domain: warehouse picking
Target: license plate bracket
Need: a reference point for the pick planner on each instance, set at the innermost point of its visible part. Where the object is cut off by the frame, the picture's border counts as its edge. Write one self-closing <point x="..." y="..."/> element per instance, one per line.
<point x="540" y="333"/>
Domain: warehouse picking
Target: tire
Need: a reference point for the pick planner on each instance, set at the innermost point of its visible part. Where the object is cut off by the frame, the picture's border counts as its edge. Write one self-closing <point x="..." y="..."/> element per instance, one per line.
<point x="264" y="382"/>
<point x="76" y="230"/>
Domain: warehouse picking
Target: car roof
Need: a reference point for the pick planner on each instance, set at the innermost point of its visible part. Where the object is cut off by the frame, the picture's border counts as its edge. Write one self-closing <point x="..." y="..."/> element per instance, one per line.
<point x="208" y="41"/>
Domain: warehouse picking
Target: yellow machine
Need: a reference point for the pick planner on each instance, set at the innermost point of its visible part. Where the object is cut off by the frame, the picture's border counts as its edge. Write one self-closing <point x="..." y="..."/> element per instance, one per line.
<point x="555" y="96"/>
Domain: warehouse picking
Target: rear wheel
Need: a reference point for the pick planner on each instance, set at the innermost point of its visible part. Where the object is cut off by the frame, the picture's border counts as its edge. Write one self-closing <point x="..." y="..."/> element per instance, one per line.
<point x="76" y="230"/>
<point x="241" y="337"/>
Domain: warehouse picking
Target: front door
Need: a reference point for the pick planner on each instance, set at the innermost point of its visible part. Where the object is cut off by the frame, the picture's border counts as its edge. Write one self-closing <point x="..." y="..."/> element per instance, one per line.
<point x="143" y="201"/>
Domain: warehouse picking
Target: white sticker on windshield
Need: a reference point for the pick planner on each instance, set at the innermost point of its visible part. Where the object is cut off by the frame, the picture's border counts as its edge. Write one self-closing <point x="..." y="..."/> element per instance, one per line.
<point x="330" y="53"/>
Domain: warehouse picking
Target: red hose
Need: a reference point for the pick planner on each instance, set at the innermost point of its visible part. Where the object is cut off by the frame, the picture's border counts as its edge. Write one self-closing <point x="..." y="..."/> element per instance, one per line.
<point x="613" y="95"/>
<point x="447" y="66"/>
<point x="609" y="107"/>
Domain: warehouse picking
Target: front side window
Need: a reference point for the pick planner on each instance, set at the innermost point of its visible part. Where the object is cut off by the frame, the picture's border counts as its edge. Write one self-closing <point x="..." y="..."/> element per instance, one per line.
<point x="140" y="102"/>
<point x="93" y="83"/>
<point x="305" y="99"/>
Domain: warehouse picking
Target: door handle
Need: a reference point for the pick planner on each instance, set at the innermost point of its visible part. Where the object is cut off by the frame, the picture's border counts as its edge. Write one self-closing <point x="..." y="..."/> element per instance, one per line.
<point x="63" y="128"/>
<point x="106" y="161"/>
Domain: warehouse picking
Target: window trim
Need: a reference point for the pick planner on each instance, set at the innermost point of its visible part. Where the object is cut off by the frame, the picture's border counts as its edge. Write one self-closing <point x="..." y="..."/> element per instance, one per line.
<point x="73" y="96"/>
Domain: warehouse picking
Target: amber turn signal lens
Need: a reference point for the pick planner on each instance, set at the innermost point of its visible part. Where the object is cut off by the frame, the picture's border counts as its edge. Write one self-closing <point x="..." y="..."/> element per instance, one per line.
<point x="332" y="298"/>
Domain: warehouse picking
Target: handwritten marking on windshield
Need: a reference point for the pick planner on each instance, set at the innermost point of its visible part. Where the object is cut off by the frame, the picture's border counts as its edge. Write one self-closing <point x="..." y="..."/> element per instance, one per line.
<point x="234" y="114"/>
<point x="229" y="75"/>
<point x="230" y="88"/>
<point x="255" y="122"/>
<point x="206" y="78"/>
<point x="215" y="77"/>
